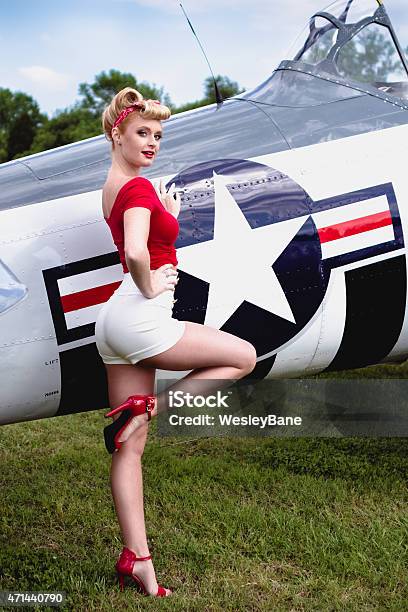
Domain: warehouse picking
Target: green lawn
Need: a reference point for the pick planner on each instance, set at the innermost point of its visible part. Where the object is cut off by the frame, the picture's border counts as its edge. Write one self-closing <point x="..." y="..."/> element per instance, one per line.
<point x="233" y="523"/>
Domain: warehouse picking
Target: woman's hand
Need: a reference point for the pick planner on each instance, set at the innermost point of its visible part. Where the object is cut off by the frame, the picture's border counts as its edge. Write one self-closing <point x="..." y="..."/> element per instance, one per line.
<point x="170" y="202"/>
<point x="165" y="277"/>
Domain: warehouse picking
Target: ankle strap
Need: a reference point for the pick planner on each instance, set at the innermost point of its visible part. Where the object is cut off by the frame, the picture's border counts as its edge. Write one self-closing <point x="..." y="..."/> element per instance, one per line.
<point x="128" y="552"/>
<point x="149" y="403"/>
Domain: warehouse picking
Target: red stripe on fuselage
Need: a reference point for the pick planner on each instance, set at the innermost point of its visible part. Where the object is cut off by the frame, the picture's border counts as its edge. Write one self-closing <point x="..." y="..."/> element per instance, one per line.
<point x="88" y="297"/>
<point x="355" y="226"/>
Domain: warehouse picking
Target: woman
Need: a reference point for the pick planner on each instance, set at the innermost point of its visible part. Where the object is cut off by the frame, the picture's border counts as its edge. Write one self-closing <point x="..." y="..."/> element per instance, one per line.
<point x="135" y="332"/>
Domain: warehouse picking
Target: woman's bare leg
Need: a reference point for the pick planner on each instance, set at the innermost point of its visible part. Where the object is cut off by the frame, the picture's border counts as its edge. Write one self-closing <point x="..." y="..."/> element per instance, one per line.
<point x="126" y="468"/>
<point x="213" y="354"/>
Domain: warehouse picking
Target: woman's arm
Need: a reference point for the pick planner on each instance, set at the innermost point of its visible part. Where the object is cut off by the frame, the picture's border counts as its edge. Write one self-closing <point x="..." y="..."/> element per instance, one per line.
<point x="136" y="225"/>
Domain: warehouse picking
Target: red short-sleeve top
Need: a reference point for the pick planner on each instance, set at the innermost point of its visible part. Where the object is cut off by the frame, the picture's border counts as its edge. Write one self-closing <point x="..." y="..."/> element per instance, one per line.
<point x="164" y="227"/>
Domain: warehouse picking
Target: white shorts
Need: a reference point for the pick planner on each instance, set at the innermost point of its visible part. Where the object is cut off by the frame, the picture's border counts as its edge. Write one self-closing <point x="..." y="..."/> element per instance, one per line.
<point x="130" y="327"/>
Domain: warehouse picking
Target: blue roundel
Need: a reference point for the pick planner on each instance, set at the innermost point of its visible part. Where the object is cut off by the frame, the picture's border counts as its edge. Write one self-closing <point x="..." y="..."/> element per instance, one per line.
<point x="265" y="196"/>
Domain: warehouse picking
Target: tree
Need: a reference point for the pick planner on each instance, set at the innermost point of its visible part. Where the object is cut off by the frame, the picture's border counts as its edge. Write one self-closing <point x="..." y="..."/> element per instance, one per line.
<point x="20" y="118"/>
<point x="24" y="133"/>
<point x="226" y="87"/>
<point x="68" y="125"/>
<point x="83" y="119"/>
<point x="97" y="96"/>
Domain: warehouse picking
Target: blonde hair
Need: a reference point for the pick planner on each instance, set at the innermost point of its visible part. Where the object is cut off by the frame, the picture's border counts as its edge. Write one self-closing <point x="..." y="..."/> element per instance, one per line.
<point x="124" y="98"/>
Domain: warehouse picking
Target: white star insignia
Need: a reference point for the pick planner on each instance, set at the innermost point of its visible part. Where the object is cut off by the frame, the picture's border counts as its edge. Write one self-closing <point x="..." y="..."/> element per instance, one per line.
<point x="237" y="262"/>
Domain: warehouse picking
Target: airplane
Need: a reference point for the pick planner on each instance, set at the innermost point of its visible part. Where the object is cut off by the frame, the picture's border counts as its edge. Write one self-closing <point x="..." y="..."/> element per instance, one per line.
<point x="292" y="222"/>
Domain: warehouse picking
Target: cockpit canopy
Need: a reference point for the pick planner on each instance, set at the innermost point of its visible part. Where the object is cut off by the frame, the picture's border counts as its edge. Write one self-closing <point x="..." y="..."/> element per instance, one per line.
<point x="355" y="40"/>
<point x="12" y="291"/>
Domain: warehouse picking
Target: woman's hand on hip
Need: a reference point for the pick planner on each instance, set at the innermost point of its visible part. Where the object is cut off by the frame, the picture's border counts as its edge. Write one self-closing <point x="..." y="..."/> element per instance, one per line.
<point x="162" y="279"/>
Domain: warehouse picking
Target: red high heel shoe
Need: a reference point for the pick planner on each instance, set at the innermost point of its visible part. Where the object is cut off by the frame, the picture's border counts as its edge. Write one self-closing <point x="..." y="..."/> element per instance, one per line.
<point x="124" y="567"/>
<point x="134" y="406"/>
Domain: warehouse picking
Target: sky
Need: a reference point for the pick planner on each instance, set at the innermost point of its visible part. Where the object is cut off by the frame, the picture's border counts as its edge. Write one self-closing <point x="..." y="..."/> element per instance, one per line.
<point x="48" y="47"/>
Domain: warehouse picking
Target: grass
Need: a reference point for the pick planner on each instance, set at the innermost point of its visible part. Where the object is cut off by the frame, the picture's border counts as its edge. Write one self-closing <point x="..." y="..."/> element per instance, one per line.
<point x="233" y="523"/>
